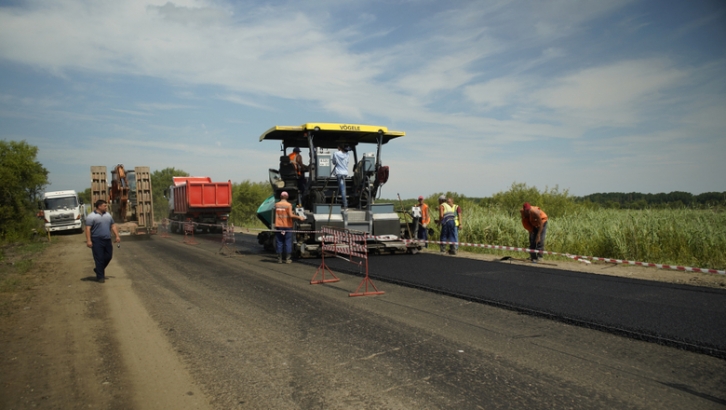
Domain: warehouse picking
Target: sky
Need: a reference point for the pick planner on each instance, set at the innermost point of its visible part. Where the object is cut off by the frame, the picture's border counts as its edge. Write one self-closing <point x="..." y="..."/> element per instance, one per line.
<point x="586" y="96"/>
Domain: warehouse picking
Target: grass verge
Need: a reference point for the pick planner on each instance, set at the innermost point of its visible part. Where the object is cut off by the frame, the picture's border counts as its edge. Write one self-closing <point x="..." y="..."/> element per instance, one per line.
<point x="16" y="261"/>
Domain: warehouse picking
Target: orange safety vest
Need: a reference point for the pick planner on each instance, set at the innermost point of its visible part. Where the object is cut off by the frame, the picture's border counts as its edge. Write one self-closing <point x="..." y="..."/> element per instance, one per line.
<point x="293" y="159"/>
<point x="528" y="223"/>
<point x="283" y="215"/>
<point x="425" y="217"/>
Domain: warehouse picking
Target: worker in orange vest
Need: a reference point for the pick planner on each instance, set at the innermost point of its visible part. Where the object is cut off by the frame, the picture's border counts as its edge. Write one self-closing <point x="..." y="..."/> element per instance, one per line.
<point x="424" y="221"/>
<point x="534" y="220"/>
<point x="282" y="224"/>
<point x="297" y="161"/>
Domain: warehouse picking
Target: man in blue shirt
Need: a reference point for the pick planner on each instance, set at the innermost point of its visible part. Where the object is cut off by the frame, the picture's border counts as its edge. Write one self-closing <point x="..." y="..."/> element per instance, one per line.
<point x="340" y="160"/>
<point x="99" y="225"/>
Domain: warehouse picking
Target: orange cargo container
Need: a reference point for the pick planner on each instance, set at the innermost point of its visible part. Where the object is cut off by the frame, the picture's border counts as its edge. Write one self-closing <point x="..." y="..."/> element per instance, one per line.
<point x="200" y="200"/>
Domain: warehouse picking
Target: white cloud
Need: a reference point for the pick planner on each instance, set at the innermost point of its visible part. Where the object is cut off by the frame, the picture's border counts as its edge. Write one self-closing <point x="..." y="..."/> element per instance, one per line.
<point x="495" y="93"/>
<point x="623" y="83"/>
<point x="613" y="95"/>
<point x="472" y="85"/>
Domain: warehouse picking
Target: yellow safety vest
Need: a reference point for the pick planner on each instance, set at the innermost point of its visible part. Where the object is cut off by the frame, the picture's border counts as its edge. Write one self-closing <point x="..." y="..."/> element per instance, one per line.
<point x="449" y="213"/>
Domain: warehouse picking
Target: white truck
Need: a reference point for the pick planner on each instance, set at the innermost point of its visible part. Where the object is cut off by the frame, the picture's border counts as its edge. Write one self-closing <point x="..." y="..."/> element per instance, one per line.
<point x="63" y="211"/>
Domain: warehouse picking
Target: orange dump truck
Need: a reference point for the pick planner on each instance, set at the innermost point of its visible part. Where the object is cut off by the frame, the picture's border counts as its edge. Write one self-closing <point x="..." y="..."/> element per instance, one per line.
<point x="200" y="200"/>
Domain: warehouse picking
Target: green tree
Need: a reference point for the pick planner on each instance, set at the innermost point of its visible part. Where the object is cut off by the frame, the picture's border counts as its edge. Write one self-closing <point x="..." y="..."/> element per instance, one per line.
<point x="511" y="201"/>
<point x="86" y="197"/>
<point x="553" y="201"/>
<point x="161" y="180"/>
<point x="246" y="198"/>
<point x="23" y="179"/>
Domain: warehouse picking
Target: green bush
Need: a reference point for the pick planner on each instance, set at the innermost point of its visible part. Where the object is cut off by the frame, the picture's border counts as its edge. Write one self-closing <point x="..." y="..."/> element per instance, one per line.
<point x="161" y="180"/>
<point x="246" y="198"/>
<point x="554" y="202"/>
<point x="23" y="179"/>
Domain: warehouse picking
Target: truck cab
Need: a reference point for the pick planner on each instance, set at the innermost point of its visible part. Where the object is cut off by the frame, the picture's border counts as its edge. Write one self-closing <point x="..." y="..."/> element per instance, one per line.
<point x="63" y="211"/>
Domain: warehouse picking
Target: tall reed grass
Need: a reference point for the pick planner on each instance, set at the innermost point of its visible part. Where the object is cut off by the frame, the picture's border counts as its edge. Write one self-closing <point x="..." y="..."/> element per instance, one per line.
<point x="672" y="236"/>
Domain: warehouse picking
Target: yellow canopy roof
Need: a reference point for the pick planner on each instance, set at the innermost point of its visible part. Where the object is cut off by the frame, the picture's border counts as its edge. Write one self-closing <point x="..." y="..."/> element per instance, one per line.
<point x="329" y="135"/>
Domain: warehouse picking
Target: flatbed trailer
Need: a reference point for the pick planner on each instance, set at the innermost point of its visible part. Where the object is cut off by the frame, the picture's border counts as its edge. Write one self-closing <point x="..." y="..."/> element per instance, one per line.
<point x="129" y="198"/>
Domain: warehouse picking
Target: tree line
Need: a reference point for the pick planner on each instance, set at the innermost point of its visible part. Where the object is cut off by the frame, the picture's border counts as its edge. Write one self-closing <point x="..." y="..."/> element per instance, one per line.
<point x="24" y="179"/>
<point x="637" y="200"/>
<point x="557" y="202"/>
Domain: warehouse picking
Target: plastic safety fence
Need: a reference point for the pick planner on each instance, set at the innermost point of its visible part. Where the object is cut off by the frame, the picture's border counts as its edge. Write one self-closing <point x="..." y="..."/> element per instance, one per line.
<point x="352" y="244"/>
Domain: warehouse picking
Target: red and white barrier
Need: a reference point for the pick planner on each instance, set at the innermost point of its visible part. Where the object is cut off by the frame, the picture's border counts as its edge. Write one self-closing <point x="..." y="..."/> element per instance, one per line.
<point x="352" y="244"/>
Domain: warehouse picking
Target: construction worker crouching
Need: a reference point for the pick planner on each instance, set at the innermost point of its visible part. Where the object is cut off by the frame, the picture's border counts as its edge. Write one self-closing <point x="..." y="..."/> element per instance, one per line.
<point x="534" y="220"/>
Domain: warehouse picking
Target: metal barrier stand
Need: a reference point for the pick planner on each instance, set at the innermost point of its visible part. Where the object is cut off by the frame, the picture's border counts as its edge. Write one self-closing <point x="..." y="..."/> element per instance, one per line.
<point x="227" y="238"/>
<point x="353" y="244"/>
<point x="189" y="233"/>
<point x="323" y="267"/>
<point x="165" y="228"/>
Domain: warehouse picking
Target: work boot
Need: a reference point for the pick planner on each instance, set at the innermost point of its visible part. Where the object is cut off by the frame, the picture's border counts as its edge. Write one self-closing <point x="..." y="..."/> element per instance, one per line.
<point x="288" y="259"/>
<point x="279" y="258"/>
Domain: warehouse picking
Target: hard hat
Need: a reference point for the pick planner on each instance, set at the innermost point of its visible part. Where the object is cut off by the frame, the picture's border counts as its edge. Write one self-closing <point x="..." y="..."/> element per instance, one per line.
<point x="296" y="149"/>
<point x="526" y="206"/>
<point x="283" y="194"/>
<point x="420" y="198"/>
<point x="442" y="198"/>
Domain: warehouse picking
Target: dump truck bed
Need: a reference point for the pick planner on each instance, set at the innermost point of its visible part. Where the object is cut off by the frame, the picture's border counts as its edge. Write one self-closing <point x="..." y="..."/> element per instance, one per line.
<point x="198" y="194"/>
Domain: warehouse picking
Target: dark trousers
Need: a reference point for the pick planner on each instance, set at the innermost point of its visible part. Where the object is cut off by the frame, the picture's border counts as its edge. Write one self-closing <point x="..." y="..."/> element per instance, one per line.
<point x="533" y="244"/>
<point x="301" y="182"/>
<point x="422" y="233"/>
<point x="102" y="254"/>
<point x="284" y="242"/>
<point x="449" y="233"/>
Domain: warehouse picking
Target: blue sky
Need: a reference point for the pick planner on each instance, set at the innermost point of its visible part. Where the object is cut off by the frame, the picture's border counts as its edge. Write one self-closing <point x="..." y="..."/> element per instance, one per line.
<point x="590" y="96"/>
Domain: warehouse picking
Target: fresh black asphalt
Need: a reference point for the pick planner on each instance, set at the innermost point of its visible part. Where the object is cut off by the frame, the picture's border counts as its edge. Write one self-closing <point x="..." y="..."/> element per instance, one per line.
<point x="683" y="316"/>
